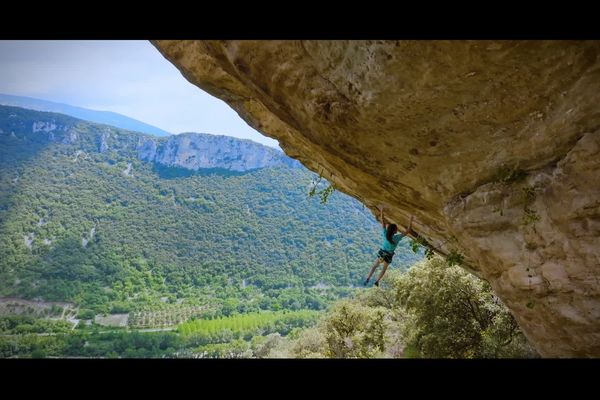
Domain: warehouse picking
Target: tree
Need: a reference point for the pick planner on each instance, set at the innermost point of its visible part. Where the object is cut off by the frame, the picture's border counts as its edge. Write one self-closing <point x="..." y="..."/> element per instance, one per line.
<point x="353" y="330"/>
<point x="433" y="310"/>
<point x="456" y="315"/>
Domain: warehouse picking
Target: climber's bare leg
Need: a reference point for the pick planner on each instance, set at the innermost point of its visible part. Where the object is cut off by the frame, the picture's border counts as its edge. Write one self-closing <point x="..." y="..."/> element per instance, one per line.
<point x="385" y="267"/>
<point x="374" y="267"/>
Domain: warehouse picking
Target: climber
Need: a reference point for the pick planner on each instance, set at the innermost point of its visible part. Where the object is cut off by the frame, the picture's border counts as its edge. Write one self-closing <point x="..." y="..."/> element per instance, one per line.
<point x="390" y="241"/>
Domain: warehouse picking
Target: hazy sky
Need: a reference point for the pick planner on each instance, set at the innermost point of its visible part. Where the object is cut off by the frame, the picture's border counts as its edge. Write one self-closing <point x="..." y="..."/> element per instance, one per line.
<point x="129" y="77"/>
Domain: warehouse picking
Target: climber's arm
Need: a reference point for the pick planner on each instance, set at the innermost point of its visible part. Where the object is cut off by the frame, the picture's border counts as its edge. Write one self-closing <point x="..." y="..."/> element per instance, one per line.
<point x="409" y="226"/>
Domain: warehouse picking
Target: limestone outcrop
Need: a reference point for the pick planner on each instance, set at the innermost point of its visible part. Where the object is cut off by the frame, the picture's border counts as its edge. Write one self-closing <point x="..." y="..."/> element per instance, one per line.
<point x="199" y="150"/>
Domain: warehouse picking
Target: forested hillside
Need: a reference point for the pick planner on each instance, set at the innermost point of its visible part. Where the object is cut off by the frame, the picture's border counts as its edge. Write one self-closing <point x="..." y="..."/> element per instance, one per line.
<point x="83" y="220"/>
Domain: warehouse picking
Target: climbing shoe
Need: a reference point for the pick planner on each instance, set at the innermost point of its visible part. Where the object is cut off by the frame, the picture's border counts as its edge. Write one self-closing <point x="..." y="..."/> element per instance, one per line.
<point x="377" y="283"/>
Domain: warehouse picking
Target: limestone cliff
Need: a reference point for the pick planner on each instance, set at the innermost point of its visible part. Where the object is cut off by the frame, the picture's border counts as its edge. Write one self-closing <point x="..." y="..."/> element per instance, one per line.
<point x="493" y="146"/>
<point x="196" y="150"/>
<point x="187" y="150"/>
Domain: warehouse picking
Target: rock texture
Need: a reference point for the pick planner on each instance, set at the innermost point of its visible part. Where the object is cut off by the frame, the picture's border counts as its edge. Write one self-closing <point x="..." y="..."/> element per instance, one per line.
<point x="493" y="146"/>
<point x="197" y="150"/>
<point x="103" y="139"/>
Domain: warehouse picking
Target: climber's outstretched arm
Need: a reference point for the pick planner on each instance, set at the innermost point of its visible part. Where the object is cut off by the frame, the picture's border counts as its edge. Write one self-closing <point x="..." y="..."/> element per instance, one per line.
<point x="409" y="225"/>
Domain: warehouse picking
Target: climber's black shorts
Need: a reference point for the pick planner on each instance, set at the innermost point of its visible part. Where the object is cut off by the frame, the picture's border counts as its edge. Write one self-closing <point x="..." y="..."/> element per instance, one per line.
<point x="385" y="255"/>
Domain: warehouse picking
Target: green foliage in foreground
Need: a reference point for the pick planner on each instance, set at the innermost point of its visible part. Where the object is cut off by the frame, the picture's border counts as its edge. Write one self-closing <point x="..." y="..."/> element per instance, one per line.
<point x="432" y="311"/>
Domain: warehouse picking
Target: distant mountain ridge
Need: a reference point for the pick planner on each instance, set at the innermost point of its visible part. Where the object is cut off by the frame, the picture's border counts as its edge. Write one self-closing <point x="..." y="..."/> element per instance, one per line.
<point x="191" y="151"/>
<point x="102" y="117"/>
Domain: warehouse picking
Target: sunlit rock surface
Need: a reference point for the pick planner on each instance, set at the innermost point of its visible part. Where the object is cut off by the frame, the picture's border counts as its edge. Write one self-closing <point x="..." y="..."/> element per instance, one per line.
<point x="196" y="150"/>
<point x="493" y="146"/>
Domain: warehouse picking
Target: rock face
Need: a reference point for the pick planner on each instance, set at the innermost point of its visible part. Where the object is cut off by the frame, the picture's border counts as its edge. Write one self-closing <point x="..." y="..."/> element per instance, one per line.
<point x="196" y="150"/>
<point x="103" y="145"/>
<point x="192" y="151"/>
<point x="493" y="146"/>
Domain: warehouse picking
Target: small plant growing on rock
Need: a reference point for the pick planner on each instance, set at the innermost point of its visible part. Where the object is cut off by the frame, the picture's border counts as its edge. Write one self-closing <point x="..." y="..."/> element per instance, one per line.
<point x="530" y="304"/>
<point x="530" y="216"/>
<point x="508" y="175"/>
<point x="416" y="244"/>
<point x="528" y="194"/>
<point x="454" y="258"/>
<point x="324" y="193"/>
